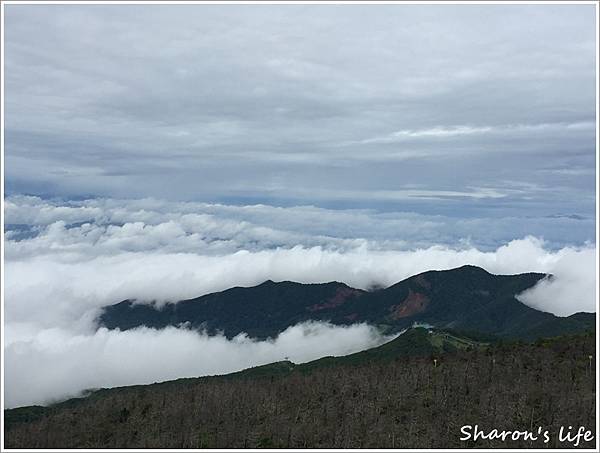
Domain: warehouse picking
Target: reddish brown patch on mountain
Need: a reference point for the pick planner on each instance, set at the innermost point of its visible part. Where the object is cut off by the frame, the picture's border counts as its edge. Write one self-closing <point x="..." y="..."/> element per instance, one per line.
<point x="341" y="296"/>
<point x="422" y="281"/>
<point x="413" y="304"/>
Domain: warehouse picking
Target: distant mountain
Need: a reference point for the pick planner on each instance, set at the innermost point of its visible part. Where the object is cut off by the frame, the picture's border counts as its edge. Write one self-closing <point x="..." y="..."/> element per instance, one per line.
<point x="403" y="394"/>
<point x="465" y="298"/>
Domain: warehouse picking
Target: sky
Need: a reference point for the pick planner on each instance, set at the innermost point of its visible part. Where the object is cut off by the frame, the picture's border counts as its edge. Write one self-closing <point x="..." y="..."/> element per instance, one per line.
<point x="163" y="152"/>
<point x="463" y="110"/>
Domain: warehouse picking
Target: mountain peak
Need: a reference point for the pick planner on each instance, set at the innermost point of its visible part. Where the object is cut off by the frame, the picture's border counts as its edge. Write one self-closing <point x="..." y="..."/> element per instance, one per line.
<point x="471" y="268"/>
<point x="466" y="298"/>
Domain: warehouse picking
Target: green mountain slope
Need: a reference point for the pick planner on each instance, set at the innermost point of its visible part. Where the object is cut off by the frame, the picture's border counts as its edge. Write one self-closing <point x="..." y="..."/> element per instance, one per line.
<point x="466" y="298"/>
<point x="415" y="342"/>
<point x="394" y="396"/>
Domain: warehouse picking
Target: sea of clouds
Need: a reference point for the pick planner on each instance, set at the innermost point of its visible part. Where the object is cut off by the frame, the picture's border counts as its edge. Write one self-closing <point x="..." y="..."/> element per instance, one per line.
<point x="66" y="260"/>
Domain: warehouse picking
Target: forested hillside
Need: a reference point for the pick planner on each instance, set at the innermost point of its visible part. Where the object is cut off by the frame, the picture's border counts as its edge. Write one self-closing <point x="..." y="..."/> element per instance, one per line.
<point x="466" y="298"/>
<point x="383" y="400"/>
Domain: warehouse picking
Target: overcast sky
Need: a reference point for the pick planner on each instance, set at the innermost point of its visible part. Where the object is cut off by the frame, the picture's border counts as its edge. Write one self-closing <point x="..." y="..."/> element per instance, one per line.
<point x="463" y="110"/>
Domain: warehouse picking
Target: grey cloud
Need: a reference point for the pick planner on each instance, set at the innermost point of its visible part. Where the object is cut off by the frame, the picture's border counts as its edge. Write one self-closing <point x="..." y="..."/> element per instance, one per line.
<point x="119" y="100"/>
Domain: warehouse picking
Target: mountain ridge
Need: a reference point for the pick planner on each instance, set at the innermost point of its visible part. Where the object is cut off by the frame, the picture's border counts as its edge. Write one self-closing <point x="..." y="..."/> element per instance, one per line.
<point x="467" y="297"/>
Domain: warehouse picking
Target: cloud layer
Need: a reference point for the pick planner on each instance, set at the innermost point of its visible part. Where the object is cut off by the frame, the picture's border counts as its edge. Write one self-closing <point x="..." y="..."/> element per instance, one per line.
<point x="65" y="260"/>
<point x="406" y="107"/>
<point x="56" y="363"/>
<point x="104" y="226"/>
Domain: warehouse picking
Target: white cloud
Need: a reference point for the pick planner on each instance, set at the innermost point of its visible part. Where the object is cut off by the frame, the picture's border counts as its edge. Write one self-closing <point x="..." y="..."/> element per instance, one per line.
<point x="56" y="363"/>
<point x="65" y="289"/>
<point x="30" y="210"/>
<point x="434" y="132"/>
<point x="149" y="249"/>
<point x="515" y="130"/>
<point x="398" y="194"/>
<point x="107" y="226"/>
<point x="573" y="289"/>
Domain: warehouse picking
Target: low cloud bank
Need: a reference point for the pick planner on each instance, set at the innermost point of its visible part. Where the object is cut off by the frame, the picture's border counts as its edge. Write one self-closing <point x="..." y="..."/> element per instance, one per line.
<point x="63" y="290"/>
<point x="56" y="364"/>
<point x="99" y="227"/>
<point x="573" y="286"/>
